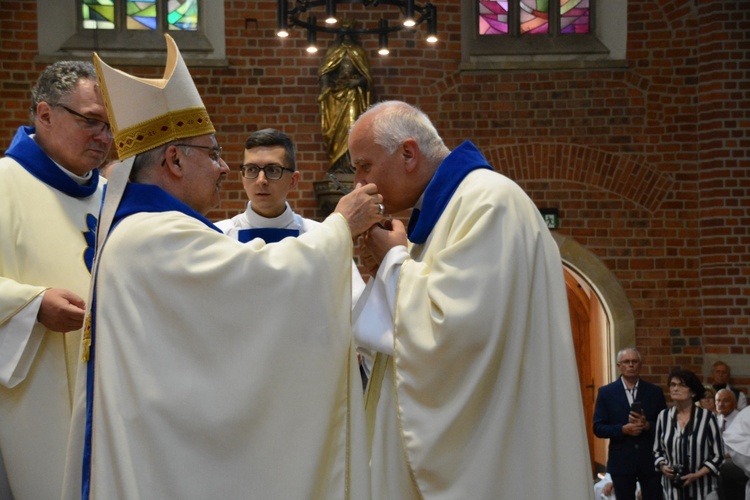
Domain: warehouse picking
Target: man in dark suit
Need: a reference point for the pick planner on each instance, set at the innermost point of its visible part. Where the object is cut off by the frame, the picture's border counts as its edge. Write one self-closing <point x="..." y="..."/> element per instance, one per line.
<point x="630" y="430"/>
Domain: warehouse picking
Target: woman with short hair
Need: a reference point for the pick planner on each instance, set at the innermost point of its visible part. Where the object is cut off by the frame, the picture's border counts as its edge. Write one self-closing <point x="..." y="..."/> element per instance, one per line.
<point x="688" y="446"/>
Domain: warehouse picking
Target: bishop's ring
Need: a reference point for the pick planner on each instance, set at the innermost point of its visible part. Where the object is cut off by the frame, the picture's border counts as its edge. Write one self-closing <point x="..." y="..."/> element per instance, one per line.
<point x="381" y="209"/>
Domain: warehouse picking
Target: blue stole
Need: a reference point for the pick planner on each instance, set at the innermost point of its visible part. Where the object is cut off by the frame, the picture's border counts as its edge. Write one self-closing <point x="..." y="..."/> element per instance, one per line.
<point x="439" y="191"/>
<point x="30" y="156"/>
<point x="137" y="198"/>
<point x="268" y="234"/>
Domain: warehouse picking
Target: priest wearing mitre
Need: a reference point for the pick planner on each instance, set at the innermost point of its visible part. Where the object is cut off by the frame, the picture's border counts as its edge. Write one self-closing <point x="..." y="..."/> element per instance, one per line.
<point x="212" y="368"/>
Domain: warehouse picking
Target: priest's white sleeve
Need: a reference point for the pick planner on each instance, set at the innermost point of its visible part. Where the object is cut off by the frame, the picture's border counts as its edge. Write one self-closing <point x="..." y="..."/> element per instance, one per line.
<point x="20" y="338"/>
<point x="373" y="320"/>
<point x="358" y="285"/>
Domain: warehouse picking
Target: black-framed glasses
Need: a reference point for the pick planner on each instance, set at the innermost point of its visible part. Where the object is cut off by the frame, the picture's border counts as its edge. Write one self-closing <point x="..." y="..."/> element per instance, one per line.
<point x="273" y="171"/>
<point x="90" y="125"/>
<point x="214" y="152"/>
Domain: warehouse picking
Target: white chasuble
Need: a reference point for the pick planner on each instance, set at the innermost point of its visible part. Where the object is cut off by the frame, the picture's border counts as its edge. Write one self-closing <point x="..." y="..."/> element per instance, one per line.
<point x="481" y="394"/>
<point x="222" y="370"/>
<point x="237" y="227"/>
<point x="44" y="237"/>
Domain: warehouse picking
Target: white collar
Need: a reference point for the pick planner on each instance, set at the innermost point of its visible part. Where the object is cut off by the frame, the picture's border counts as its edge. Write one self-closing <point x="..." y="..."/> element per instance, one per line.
<point x="625" y="385"/>
<point x="256" y="220"/>
<point x="81" y="180"/>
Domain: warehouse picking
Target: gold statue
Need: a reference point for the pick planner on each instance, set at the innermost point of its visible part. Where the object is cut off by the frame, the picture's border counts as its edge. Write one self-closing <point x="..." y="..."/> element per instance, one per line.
<point x="345" y="82"/>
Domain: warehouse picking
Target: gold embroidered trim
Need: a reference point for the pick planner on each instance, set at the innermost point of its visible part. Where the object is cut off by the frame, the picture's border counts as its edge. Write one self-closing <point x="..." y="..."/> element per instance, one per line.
<point x="189" y="122"/>
<point x="85" y="352"/>
<point x="105" y="93"/>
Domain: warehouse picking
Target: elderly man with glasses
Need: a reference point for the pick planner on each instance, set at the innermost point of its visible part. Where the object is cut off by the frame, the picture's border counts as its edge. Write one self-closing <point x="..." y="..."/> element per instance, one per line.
<point x="50" y="193"/>
<point x="201" y="381"/>
<point x="625" y="413"/>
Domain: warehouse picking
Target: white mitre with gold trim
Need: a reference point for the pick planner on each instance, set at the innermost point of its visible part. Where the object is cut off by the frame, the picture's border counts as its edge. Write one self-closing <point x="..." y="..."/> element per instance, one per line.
<point x="147" y="112"/>
<point x="144" y="113"/>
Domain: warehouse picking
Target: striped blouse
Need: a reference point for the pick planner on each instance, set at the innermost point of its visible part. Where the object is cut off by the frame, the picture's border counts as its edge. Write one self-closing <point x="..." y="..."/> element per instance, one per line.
<point x="698" y="444"/>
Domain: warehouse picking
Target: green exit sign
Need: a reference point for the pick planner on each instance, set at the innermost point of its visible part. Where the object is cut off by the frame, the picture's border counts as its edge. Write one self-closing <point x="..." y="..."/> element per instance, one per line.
<point x="551" y="217"/>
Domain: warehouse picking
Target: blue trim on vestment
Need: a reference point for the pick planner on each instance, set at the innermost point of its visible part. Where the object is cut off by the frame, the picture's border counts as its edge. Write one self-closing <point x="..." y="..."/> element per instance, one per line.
<point x="267" y="234"/>
<point x="30" y="156"/>
<point x="139" y="198"/>
<point x="86" y="467"/>
<point x="444" y="183"/>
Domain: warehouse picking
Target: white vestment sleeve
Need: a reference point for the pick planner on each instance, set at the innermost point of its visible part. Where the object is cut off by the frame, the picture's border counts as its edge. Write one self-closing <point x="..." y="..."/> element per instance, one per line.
<point x="373" y="326"/>
<point x="20" y="337"/>
<point x="358" y="285"/>
<point x="741" y="401"/>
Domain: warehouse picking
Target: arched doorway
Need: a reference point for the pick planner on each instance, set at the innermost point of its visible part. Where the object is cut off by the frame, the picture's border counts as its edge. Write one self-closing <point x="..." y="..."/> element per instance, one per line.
<point x="590" y="327"/>
<point x="602" y="322"/>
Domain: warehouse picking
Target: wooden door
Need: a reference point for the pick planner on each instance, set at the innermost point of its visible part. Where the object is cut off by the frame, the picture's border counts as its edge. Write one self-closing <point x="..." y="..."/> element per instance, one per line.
<point x="579" y="305"/>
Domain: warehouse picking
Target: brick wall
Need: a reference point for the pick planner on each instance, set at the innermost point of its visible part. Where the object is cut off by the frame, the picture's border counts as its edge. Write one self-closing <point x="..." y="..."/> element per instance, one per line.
<point x="648" y="164"/>
<point x="723" y="115"/>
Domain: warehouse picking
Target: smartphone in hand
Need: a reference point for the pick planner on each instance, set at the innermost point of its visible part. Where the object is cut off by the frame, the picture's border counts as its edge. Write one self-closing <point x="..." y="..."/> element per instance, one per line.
<point x="636" y="407"/>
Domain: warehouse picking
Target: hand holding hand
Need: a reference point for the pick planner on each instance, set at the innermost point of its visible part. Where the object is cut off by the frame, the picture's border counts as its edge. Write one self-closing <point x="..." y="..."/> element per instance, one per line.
<point x="381" y="239"/>
<point x="362" y="208"/>
<point x="61" y="310"/>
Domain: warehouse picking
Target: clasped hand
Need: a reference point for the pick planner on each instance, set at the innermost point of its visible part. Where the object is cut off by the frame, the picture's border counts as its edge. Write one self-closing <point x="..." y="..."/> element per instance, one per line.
<point x="361" y="208"/>
<point x="61" y="310"/>
<point x="636" y="424"/>
<point x="687" y="479"/>
<point x="380" y="239"/>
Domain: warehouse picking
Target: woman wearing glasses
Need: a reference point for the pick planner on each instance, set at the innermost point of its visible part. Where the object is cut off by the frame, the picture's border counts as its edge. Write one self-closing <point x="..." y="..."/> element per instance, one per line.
<point x="688" y="446"/>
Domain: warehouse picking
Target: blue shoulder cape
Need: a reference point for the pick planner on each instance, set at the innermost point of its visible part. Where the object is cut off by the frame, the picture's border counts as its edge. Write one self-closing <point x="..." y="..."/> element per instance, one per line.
<point x="457" y="165"/>
<point x="30" y="156"/>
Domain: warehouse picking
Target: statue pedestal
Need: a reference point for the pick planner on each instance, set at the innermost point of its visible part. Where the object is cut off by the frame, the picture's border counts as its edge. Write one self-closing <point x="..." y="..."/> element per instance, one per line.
<point x="328" y="194"/>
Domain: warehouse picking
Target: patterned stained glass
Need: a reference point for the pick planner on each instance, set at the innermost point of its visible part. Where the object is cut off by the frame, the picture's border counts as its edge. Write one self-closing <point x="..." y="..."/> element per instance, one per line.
<point x="98" y="14"/>
<point x="141" y="15"/>
<point x="493" y="18"/>
<point x="574" y="16"/>
<point x="183" y="15"/>
<point x="534" y="16"/>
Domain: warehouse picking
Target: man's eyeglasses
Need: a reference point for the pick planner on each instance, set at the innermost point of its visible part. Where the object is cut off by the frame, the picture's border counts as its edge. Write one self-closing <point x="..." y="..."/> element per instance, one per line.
<point x="214" y="152"/>
<point x="90" y="125"/>
<point x="273" y="171"/>
<point x="629" y="362"/>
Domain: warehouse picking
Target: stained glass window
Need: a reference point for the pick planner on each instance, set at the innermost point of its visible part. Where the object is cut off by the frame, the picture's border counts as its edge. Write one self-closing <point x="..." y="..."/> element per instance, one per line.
<point x="534" y="16"/>
<point x="180" y="15"/>
<point x="574" y="16"/>
<point x="141" y="15"/>
<point x="98" y="14"/>
<point x="493" y="18"/>
<point x="183" y="15"/>
<point x="504" y="17"/>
